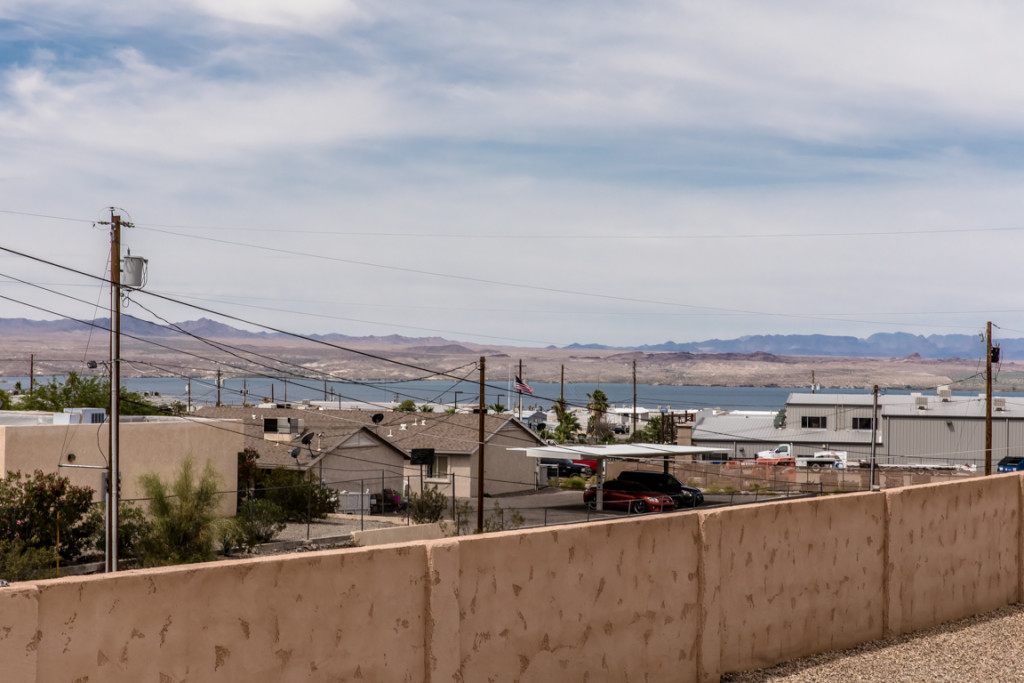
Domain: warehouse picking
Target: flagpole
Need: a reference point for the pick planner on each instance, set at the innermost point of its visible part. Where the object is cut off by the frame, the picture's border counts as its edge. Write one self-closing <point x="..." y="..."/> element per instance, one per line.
<point x="520" y="376"/>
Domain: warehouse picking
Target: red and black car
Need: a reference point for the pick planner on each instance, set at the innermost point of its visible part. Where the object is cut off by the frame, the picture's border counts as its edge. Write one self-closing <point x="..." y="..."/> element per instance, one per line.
<point x="628" y="495"/>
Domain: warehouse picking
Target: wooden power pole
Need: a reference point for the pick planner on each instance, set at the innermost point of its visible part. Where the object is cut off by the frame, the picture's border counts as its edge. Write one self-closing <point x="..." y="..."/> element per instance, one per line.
<point x="988" y="399"/>
<point x="480" y="454"/>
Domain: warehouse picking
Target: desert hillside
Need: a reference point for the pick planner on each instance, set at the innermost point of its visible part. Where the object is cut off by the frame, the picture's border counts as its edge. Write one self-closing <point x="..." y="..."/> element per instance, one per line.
<point x="399" y="358"/>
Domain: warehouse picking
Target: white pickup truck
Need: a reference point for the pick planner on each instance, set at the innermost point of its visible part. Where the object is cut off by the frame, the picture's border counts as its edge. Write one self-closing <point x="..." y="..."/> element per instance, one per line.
<point x="783" y="455"/>
<point x="823" y="459"/>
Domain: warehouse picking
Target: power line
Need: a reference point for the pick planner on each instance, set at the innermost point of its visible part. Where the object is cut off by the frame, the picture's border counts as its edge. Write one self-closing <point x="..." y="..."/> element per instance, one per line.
<point x="513" y="235"/>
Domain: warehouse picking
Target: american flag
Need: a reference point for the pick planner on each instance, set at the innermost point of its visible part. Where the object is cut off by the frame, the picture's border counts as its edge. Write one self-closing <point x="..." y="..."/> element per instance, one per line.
<point x="523" y="387"/>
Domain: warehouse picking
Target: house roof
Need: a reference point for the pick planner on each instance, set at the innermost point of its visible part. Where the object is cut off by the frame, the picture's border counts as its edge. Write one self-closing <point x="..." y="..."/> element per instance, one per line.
<point x="451" y="433"/>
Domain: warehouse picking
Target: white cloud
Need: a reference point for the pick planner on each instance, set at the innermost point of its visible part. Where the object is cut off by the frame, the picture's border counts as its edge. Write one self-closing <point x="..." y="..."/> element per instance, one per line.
<point x="315" y="16"/>
<point x="561" y="124"/>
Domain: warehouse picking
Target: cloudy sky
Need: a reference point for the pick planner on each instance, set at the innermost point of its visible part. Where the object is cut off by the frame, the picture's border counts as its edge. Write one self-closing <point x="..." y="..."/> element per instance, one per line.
<point x="520" y="172"/>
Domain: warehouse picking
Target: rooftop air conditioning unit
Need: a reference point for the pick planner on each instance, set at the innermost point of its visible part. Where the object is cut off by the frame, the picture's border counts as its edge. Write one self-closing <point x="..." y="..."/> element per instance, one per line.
<point x="945" y="394"/>
<point x="921" y="402"/>
<point x="999" y="403"/>
<point x="91" y="416"/>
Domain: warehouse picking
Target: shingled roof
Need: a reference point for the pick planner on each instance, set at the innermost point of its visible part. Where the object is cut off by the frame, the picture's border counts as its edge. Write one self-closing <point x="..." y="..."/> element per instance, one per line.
<point x="452" y="433"/>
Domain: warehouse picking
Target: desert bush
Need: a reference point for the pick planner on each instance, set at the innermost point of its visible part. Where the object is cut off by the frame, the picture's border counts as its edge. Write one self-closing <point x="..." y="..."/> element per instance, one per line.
<point x="19" y="562"/>
<point x="183" y="513"/>
<point x="574" y="483"/>
<point x="428" y="507"/>
<point x="503" y="520"/>
<point x="296" y="493"/>
<point x="132" y="527"/>
<point x="257" y="522"/>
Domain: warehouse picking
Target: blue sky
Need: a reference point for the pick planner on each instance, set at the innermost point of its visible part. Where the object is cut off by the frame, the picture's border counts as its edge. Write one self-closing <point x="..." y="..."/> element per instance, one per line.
<point x="521" y="173"/>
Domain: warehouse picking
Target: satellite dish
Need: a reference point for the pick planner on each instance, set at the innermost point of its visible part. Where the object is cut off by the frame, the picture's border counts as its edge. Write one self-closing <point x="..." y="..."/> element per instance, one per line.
<point x="295" y="453"/>
<point x="378" y="418"/>
<point x="307" y="438"/>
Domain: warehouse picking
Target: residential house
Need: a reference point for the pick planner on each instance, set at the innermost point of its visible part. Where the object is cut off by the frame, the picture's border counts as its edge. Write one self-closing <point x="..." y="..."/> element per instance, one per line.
<point x="49" y="442"/>
<point x="354" y="452"/>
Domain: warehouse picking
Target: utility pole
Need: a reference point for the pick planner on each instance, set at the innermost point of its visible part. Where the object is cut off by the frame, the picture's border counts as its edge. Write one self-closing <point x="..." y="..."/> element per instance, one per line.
<point x="218" y="387"/>
<point x="31" y="372"/>
<point x="634" y="398"/>
<point x="874" y="440"/>
<point x="114" y="476"/>
<point x="988" y="399"/>
<point x="480" y="454"/>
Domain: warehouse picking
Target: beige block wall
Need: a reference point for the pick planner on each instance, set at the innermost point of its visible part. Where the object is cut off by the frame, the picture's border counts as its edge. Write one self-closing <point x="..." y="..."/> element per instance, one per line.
<point x="310" y="617"/>
<point x="21" y="632"/>
<point x="613" y="601"/>
<point x="799" y="577"/>
<point x="954" y="550"/>
<point x="680" y="597"/>
<point x="146" y="447"/>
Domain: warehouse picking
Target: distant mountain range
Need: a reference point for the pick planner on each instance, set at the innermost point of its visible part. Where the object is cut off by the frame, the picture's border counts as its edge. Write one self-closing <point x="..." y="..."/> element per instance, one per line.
<point x="883" y="345"/>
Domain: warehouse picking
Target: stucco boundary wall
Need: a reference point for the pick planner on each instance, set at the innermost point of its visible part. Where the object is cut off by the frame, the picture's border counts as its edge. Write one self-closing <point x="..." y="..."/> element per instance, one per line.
<point x="682" y="597"/>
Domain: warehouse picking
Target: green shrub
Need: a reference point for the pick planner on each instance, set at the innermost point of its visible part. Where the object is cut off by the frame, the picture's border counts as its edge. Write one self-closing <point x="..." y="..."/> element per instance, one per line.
<point x="132" y="527"/>
<point x="185" y="523"/>
<point x="296" y="492"/>
<point x="574" y="483"/>
<point x="41" y="507"/>
<point x="19" y="562"/>
<point x="257" y="522"/>
<point x="713" y="488"/>
<point x="428" y="507"/>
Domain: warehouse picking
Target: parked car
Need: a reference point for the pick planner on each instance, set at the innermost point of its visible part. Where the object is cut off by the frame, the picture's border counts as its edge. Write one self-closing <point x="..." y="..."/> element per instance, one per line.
<point x="566" y="467"/>
<point x="629" y="495"/>
<point x="1011" y="463"/>
<point x="592" y="464"/>
<point x="683" y="495"/>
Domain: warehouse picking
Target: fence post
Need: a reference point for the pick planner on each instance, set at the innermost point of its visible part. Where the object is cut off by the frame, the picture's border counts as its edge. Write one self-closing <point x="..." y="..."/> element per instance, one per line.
<point x="362" y="505"/>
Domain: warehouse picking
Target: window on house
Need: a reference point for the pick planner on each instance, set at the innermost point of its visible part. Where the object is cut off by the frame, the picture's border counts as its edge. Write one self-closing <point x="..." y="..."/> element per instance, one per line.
<point x="813" y="422"/>
<point x="439" y="470"/>
<point x="863" y="422"/>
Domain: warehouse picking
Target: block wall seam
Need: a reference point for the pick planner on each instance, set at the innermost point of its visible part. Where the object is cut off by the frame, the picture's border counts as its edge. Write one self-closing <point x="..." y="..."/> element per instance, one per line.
<point x="1020" y="538"/>
<point x="702" y="577"/>
<point x="708" y="664"/>
<point x="428" y="622"/>
<point x="886" y="566"/>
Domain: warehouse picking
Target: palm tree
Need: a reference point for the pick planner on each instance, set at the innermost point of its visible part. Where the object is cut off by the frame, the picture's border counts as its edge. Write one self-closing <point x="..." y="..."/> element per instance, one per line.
<point x="597" y="406"/>
<point x="568" y="427"/>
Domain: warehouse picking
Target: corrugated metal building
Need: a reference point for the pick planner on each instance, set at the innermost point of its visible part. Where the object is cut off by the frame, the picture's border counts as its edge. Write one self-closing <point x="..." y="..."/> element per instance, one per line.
<point x="912" y="429"/>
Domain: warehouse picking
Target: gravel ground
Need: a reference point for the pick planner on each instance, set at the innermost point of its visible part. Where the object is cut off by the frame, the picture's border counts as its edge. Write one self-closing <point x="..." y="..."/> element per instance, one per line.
<point x="989" y="647"/>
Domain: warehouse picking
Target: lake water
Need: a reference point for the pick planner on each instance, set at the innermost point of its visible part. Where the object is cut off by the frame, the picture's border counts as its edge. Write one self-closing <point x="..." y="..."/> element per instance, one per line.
<point x="252" y="390"/>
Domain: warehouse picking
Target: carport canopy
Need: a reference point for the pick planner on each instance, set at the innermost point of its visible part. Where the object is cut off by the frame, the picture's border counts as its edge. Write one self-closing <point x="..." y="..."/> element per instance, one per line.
<point x="632" y="451"/>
